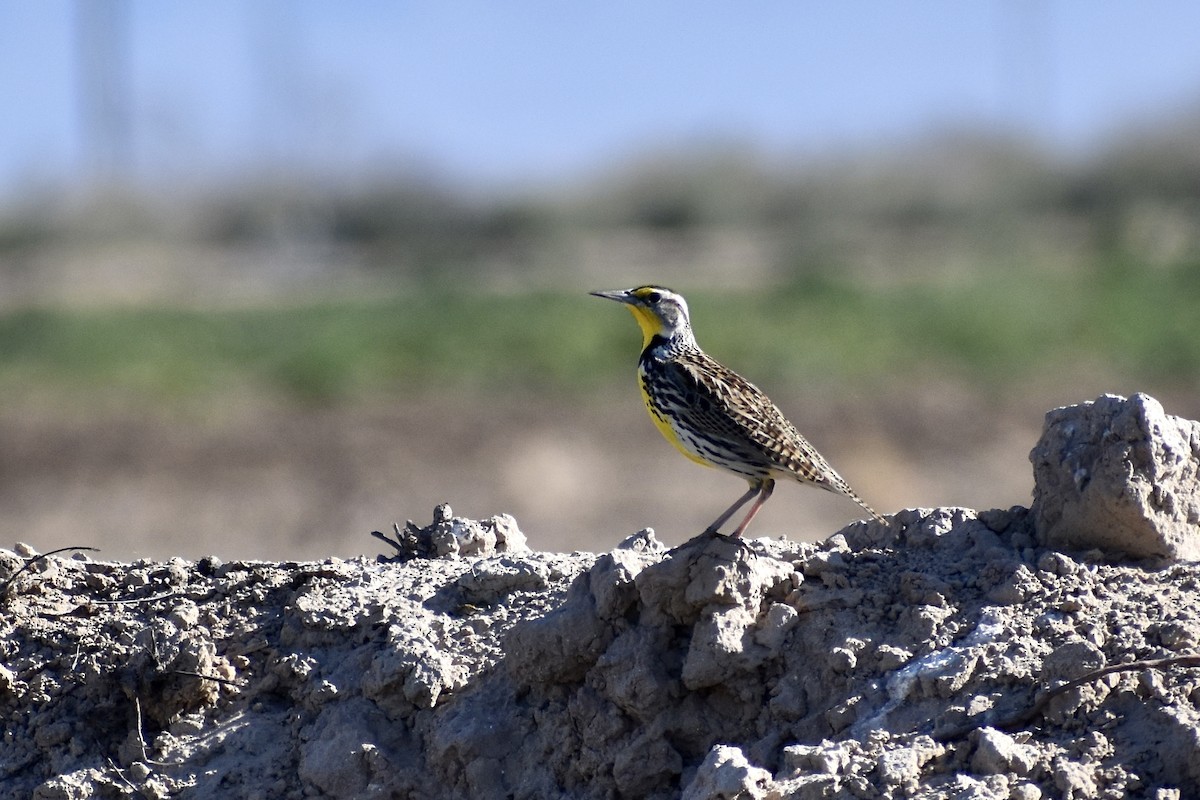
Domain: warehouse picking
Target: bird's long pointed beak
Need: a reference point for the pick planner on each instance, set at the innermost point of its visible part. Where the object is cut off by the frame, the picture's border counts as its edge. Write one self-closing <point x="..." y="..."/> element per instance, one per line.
<point x="620" y="295"/>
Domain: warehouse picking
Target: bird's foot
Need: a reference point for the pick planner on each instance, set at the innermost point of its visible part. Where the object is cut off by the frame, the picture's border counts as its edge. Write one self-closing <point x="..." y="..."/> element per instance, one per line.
<point x="710" y="535"/>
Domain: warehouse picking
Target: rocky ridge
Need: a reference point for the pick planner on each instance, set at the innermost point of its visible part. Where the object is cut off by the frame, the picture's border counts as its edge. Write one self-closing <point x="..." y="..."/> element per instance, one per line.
<point x="947" y="653"/>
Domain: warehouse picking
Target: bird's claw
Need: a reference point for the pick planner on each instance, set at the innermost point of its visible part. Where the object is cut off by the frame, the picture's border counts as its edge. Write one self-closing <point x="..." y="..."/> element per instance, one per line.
<point x="707" y="536"/>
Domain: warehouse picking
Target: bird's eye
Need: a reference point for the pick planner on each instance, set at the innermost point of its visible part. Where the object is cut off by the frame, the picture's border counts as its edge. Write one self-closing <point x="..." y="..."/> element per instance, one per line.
<point x="653" y="298"/>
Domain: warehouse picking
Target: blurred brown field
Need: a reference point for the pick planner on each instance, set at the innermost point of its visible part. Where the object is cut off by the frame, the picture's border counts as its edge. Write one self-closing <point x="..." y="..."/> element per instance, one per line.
<point x="276" y="482"/>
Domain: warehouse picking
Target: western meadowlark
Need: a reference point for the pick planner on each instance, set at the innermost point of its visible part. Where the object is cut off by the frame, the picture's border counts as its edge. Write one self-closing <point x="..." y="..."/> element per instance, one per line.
<point x="713" y="415"/>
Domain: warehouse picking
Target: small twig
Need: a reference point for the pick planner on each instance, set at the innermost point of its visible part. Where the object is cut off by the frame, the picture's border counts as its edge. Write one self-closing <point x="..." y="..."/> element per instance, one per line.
<point x="1017" y="720"/>
<point x="120" y="773"/>
<point x="395" y="543"/>
<point x="137" y="708"/>
<point x="29" y="563"/>
<point x="1021" y="718"/>
<point x="136" y="600"/>
<point x="225" y="681"/>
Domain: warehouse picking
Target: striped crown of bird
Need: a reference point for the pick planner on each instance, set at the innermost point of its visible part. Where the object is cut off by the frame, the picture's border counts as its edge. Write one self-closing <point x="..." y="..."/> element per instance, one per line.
<point x="714" y="416"/>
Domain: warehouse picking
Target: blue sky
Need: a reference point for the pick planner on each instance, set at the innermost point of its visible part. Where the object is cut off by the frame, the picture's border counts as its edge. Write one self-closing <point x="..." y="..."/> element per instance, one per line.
<point x="509" y="91"/>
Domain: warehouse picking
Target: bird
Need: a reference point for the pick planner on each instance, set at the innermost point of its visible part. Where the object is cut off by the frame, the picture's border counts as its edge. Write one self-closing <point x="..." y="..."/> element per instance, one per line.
<point x="713" y="415"/>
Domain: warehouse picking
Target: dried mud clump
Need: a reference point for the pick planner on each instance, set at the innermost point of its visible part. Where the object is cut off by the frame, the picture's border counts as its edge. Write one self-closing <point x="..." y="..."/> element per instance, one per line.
<point x="1119" y="475"/>
<point x="944" y="654"/>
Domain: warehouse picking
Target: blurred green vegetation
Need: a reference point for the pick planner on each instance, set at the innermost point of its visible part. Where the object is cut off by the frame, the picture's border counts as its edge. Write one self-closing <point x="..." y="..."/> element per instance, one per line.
<point x="998" y="329"/>
<point x="975" y="257"/>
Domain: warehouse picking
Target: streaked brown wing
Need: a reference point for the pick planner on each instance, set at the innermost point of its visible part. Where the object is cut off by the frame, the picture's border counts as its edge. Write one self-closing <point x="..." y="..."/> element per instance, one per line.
<point x="742" y="416"/>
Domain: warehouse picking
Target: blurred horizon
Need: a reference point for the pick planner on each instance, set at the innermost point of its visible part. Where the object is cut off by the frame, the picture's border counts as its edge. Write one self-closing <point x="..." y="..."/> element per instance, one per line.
<point x="275" y="274"/>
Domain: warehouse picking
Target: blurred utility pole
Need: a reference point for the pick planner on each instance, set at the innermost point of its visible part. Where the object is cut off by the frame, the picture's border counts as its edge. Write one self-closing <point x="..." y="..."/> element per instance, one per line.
<point x="282" y="123"/>
<point x="1027" y="78"/>
<point x="102" y="49"/>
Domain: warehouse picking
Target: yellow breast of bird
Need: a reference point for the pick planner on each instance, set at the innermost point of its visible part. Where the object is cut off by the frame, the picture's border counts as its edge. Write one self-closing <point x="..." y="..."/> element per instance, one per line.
<point x="664" y="425"/>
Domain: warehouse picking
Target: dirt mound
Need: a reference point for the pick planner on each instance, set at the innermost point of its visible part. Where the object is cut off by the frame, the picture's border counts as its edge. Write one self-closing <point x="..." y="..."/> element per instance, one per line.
<point x="947" y="653"/>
